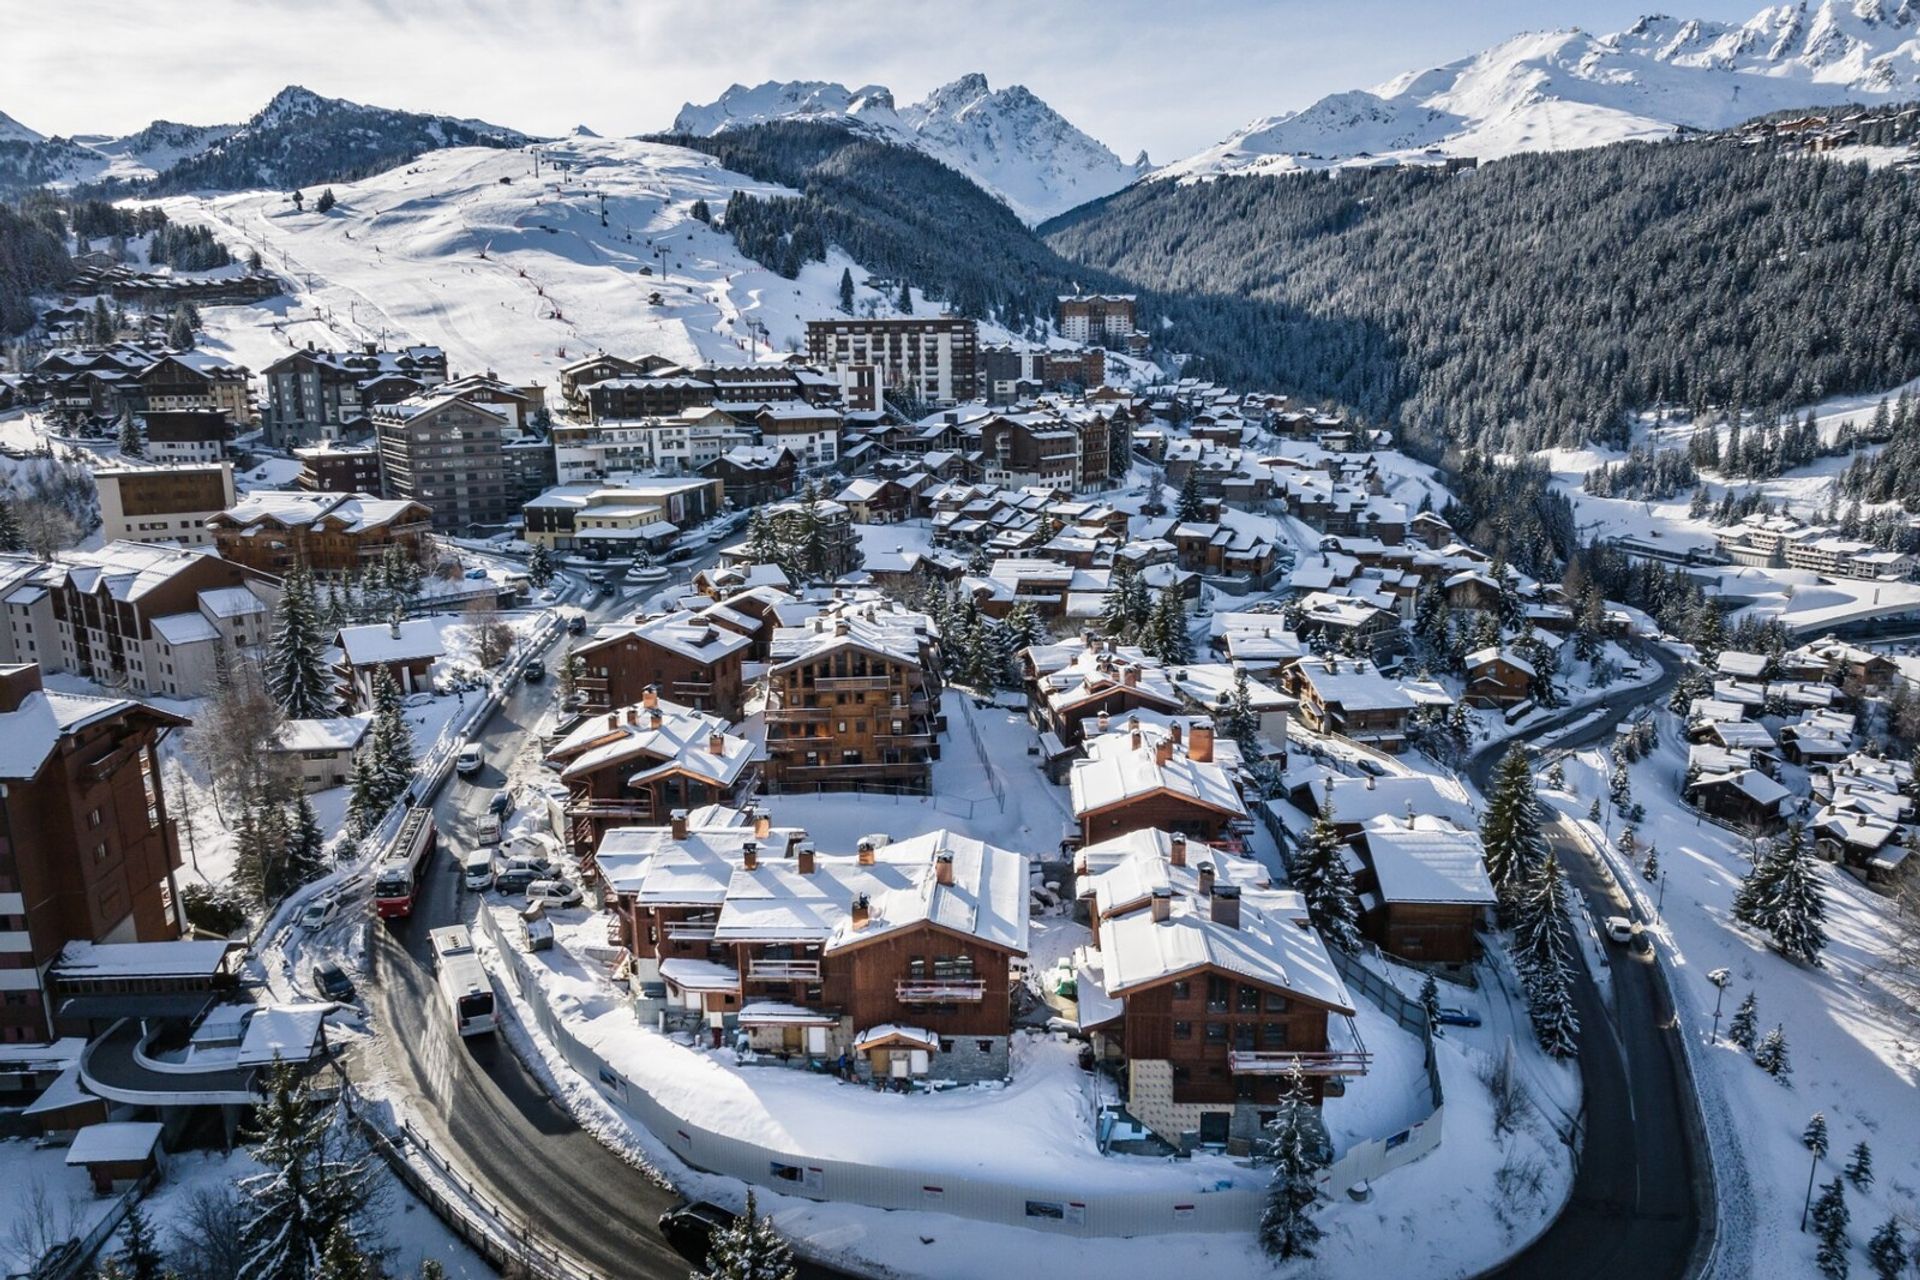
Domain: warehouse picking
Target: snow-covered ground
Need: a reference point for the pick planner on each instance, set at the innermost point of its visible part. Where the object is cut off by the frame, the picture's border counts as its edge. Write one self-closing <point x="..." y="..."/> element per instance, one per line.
<point x="1855" y="1053"/>
<point x="42" y="1202"/>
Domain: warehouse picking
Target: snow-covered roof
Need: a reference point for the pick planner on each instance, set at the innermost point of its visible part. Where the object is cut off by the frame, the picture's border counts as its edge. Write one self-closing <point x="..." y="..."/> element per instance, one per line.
<point x="382" y="642"/>
<point x="684" y="633"/>
<point x="1359" y="800"/>
<point x="231" y="602"/>
<point x="1756" y="786"/>
<point x="115" y="1142"/>
<point x="179" y="629"/>
<point x="185" y="959"/>
<point x="699" y="975"/>
<point x="283" y="1032"/>
<point x="777" y="1013"/>
<point x="1273" y="944"/>
<point x="1353" y="689"/>
<point x="1427" y="860"/>
<point x="1116" y="771"/>
<point x="667" y="733"/>
<point x="30" y="732"/>
<point x="333" y="733"/>
<point x="659" y="870"/>
<point x="891" y="1033"/>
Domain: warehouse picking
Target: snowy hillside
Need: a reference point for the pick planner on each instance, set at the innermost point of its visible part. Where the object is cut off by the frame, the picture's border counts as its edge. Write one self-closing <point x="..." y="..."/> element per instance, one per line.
<point x="1555" y="90"/>
<point x="513" y="271"/>
<point x="1007" y="140"/>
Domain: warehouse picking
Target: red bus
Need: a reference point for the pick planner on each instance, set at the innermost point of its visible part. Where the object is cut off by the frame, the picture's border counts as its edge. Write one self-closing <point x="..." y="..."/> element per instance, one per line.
<point x="397" y="878"/>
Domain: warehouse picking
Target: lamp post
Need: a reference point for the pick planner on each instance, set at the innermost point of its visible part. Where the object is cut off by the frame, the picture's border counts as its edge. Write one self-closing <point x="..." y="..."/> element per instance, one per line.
<point x="1721" y="980"/>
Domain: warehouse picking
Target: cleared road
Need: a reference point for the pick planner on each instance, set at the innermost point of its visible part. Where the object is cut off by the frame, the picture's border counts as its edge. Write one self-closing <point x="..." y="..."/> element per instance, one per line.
<point x="1633" y="1210"/>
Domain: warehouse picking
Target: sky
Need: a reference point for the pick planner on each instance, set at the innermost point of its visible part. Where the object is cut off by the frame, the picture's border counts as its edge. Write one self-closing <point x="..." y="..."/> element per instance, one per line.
<point x="1167" y="77"/>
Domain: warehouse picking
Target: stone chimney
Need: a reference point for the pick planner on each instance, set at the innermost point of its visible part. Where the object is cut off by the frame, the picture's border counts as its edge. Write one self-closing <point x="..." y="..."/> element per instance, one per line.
<point x="1205" y="878"/>
<point x="750" y="855"/>
<point x="656" y="718"/>
<point x="1130" y="677"/>
<point x="1173" y="733"/>
<point x="840" y="626"/>
<point x="806" y="859"/>
<point x="394" y="627"/>
<point x="1162" y="904"/>
<point x="1200" y="746"/>
<point x="1103" y="722"/>
<point x="633" y="715"/>
<point x="865" y="853"/>
<point x="613" y="719"/>
<point x="1226" y="905"/>
<point x="1133" y="727"/>
<point x="651" y="696"/>
<point x="679" y="820"/>
<point x="943" y="868"/>
<point x="716" y="744"/>
<point x="1162" y="752"/>
<point x="762" y="823"/>
<point x="862" y="911"/>
<point x="1177" y="849"/>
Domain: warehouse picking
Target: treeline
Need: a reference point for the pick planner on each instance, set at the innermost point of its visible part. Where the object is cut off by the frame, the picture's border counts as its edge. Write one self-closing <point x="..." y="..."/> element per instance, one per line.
<point x="1534" y="301"/>
<point x="32" y="258"/>
<point x="187" y="248"/>
<point x="1762" y="452"/>
<point x="1643" y="475"/>
<point x="1893" y="474"/>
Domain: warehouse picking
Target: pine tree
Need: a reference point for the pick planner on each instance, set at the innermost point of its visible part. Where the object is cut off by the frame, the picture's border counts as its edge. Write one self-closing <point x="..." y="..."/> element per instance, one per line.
<point x="540" y="566"/>
<point x="1167" y="637"/>
<point x="1797" y="906"/>
<point x="763" y="542"/>
<point x="311" y="1183"/>
<point x="1771" y="1054"/>
<point x="391" y="744"/>
<point x="905" y="303"/>
<point x="365" y="802"/>
<point x="341" y="1259"/>
<point x="1430" y="1004"/>
<point x="180" y="330"/>
<point x="11" y="539"/>
<point x="846" y="290"/>
<point x="1242" y="718"/>
<point x="1510" y="835"/>
<point x="1189" y="509"/>
<point x="1543" y="956"/>
<point x="1557" y="776"/>
<point x="306" y="845"/>
<point x="326" y="200"/>
<point x="1830" y="1219"/>
<point x="1628" y="843"/>
<point x="1745" y="1026"/>
<point x="1287" y="1228"/>
<point x="1814" y="1136"/>
<point x="139" y="1257"/>
<point x="1887" y="1251"/>
<point x="701" y="212"/>
<point x="1114" y="619"/>
<point x="1650" y="867"/>
<point x="749" y="1249"/>
<point x="131" y="445"/>
<point x="1860" y="1166"/>
<point x="1321" y="875"/>
<point x="296" y="675"/>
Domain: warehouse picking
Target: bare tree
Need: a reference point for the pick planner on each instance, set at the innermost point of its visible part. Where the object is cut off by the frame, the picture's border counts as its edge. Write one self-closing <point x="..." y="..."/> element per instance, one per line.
<point x="43" y="1219"/>
<point x="46" y="529"/>
<point x="492" y="636"/>
<point x="235" y="735"/>
<point x="206" y="1236"/>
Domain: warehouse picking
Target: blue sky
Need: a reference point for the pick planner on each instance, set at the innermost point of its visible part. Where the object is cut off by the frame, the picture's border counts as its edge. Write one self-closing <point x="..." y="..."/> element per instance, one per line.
<point x="1170" y="76"/>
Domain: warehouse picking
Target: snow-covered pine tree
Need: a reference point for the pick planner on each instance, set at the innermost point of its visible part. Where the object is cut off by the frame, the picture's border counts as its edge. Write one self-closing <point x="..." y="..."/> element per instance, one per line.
<point x="1430" y="1004"/>
<point x="1887" y="1251"/>
<point x="1189" y="508"/>
<point x="1629" y="843"/>
<point x="1860" y="1166"/>
<point x="364" y="801"/>
<point x="311" y="1182"/>
<point x="540" y="566"/>
<point x="1795" y="909"/>
<point x="326" y="200"/>
<point x="846" y="290"/>
<point x="748" y="1249"/>
<point x="1113" y="614"/>
<point x="341" y="1259"/>
<point x="1321" y="875"/>
<point x="1544" y="958"/>
<point x="1771" y="1056"/>
<point x="1814" y="1136"/>
<point x="306" y="844"/>
<point x="905" y="301"/>
<point x="1830" y="1219"/>
<point x="139" y="1257"/>
<point x="1650" y="865"/>
<point x="296" y="675"/>
<point x="390" y="740"/>
<point x="1510" y="827"/>
<point x="11" y="539"/>
<point x="1287" y="1228"/>
<point x="1745" y="1027"/>
<point x="1167" y="626"/>
<point x="1756" y="889"/>
<point x="1557" y="776"/>
<point x="1242" y="718"/>
<point x="130" y="441"/>
<point x="180" y="330"/>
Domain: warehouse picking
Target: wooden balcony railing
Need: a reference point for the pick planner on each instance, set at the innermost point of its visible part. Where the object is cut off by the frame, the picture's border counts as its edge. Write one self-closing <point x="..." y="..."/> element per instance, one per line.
<point x="783" y="970"/>
<point x="689" y="930"/>
<point x="852" y="684"/>
<point x="939" y="990"/>
<point x="1279" y="1062"/>
<point x="592" y="807"/>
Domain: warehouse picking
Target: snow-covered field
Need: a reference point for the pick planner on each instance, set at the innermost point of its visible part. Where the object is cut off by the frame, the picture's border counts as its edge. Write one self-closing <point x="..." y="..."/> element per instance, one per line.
<point x="1855" y="1053"/>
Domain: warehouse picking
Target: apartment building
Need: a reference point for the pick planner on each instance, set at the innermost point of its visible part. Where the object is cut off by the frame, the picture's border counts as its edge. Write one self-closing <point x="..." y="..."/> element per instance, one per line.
<point x="187" y="435"/>
<point x="935" y="360"/>
<point x="275" y="530"/>
<point x="324" y="395"/>
<point x="449" y="455"/>
<point x="87" y="849"/>
<point x="163" y="503"/>
<point x="624" y="514"/>
<point x="679" y="655"/>
<point x="334" y="467"/>
<point x="1096" y="317"/>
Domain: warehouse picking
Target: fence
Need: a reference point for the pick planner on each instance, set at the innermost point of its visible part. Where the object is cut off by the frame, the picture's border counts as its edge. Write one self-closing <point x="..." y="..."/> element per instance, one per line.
<point x="70" y="1257"/>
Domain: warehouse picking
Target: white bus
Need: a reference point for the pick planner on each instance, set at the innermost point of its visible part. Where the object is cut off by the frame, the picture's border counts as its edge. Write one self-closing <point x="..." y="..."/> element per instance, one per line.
<point x="463" y="980"/>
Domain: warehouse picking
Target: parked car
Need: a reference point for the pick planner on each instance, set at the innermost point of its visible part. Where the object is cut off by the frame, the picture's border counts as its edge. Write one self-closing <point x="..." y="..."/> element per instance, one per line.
<point x="333" y="982"/>
<point x="418" y="699"/>
<point x="690" y="1227"/>
<point x="678" y="555"/>
<point x="469" y="761"/>
<point x="515" y="880"/>
<point x="1621" y="929"/>
<point x="476" y="870"/>
<point x="319" y="914"/>
<point x="1449" y="1016"/>
<point x="535" y="671"/>
<point x="554" y="893"/>
<point x="476" y="574"/>
<point x="501" y="805"/>
<point x="542" y="868"/>
<point x="549" y="596"/>
<point x="577" y="624"/>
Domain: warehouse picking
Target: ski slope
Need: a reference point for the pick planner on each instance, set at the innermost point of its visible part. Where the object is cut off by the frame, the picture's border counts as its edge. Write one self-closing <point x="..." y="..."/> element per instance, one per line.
<point x="504" y="259"/>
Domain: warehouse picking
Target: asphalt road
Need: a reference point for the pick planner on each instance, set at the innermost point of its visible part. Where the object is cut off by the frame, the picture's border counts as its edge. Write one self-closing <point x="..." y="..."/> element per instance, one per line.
<point x="1633" y="1209"/>
<point x="474" y="1099"/>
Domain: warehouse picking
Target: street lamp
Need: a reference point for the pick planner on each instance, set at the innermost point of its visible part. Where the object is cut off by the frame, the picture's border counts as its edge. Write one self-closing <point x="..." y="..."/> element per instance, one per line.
<point x="1721" y="980"/>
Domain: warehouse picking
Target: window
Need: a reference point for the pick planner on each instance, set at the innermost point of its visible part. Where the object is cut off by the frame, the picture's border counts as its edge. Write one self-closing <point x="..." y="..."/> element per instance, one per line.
<point x="1181" y="989"/>
<point x="1183" y="1031"/>
<point x="1216" y="1033"/>
<point x="1273" y="1035"/>
<point x="1243" y="1035"/>
<point x="1249" y="1001"/>
<point x="1219" y="993"/>
<point x="1275" y="1002"/>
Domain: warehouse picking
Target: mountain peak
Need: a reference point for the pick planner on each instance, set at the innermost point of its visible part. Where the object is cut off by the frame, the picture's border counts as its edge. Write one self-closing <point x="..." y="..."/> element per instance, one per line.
<point x="12" y="130"/>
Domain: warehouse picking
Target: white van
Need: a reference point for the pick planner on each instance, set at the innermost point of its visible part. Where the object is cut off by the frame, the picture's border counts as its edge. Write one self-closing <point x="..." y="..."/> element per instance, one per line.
<point x="477" y="869"/>
<point x="469" y="760"/>
<point x="489" y="828"/>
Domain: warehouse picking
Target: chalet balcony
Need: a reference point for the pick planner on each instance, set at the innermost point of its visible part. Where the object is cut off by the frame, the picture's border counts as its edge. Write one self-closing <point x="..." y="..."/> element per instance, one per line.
<point x="783" y="971"/>
<point x="689" y="930"/>
<point x="802" y="715"/>
<point x="940" y="990"/>
<point x="921" y="738"/>
<point x="596" y="807"/>
<point x="852" y="684"/>
<point x="1280" y="1062"/>
<point x="680" y="689"/>
<point x="816" y="772"/>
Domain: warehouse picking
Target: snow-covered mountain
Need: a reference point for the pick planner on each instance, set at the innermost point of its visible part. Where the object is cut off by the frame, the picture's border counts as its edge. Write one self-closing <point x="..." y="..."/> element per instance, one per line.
<point x="1007" y="140"/>
<point x="1553" y="90"/>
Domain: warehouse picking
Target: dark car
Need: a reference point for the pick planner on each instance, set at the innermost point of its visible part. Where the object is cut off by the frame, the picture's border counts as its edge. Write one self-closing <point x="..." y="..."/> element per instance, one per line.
<point x="333" y="982"/>
<point x="690" y="1227"/>
<point x="535" y="671"/>
<point x="577" y="624"/>
<point x="679" y="555"/>
<point x="1448" y="1016"/>
<point x="514" y="881"/>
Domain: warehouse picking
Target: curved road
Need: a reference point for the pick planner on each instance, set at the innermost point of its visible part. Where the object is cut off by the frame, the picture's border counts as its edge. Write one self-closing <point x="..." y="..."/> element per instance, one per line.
<point x="1634" y="1208"/>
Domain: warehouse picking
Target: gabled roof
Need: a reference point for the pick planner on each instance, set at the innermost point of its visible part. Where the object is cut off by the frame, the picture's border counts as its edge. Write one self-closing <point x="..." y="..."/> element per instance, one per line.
<point x="1116" y="772"/>
<point x="1274" y="945"/>
<point x="1427" y="860"/>
<point x="377" y="642"/>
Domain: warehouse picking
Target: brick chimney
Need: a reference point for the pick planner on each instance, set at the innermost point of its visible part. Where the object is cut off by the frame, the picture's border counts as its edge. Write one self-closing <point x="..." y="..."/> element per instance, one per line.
<point x="633" y="715"/>
<point x="1205" y="877"/>
<point x="717" y="744"/>
<point x="651" y="696"/>
<point x="656" y="718"/>
<point x="1103" y="722"/>
<point x="1133" y="727"/>
<point x="762" y="823"/>
<point x="750" y="855"/>
<point x="1177" y="849"/>
<point x="1200" y="745"/>
<point x="1130" y="677"/>
<point x="943" y="868"/>
<point x="806" y="859"/>
<point x="1226" y="905"/>
<point x="1162" y="904"/>
<point x="862" y="911"/>
<point x="1162" y="752"/>
<point x="865" y="853"/>
<point x="1174" y="733"/>
<point x="679" y="820"/>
